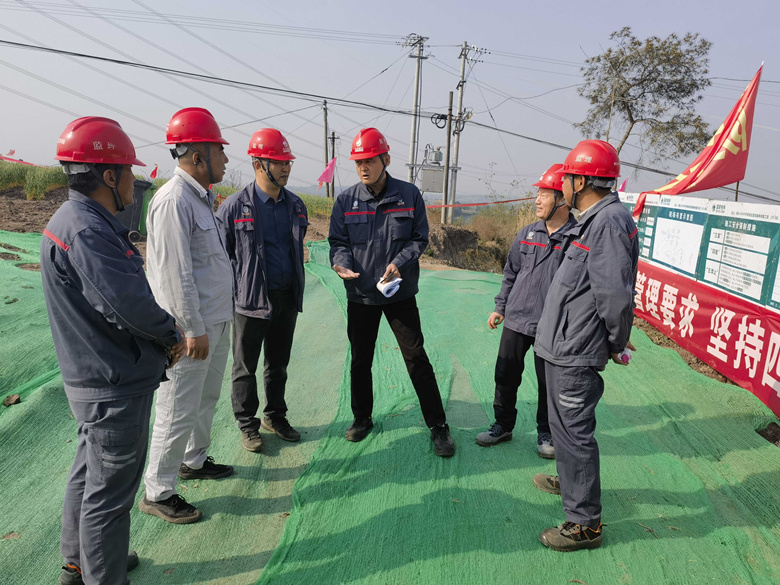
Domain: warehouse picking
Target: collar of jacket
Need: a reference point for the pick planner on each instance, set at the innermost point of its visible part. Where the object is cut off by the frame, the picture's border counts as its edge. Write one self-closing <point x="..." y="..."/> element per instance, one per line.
<point x="117" y="225"/>
<point x="205" y="194"/>
<point x="592" y="211"/>
<point x="247" y="197"/>
<point x="264" y="197"/>
<point x="392" y="193"/>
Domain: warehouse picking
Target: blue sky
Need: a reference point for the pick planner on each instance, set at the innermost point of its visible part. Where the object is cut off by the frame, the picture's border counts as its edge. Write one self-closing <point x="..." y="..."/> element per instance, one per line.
<point x="535" y="48"/>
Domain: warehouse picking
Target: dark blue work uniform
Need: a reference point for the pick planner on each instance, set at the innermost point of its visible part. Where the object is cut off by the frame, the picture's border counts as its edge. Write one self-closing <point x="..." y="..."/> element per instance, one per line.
<point x="367" y="233"/>
<point x="530" y="267"/>
<point x="264" y="240"/>
<point x="111" y="340"/>
<point x="587" y="316"/>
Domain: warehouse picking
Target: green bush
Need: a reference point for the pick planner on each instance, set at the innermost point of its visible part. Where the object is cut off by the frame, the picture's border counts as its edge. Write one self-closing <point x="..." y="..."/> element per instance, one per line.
<point x="316" y="205"/>
<point x="12" y="175"/>
<point x="41" y="180"/>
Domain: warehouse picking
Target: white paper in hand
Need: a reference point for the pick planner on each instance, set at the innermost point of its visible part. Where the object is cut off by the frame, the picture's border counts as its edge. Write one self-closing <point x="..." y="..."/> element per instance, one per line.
<point x="389" y="288"/>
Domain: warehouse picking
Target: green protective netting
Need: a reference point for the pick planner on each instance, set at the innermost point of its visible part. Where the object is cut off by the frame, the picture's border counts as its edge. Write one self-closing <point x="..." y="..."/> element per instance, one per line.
<point x="689" y="489"/>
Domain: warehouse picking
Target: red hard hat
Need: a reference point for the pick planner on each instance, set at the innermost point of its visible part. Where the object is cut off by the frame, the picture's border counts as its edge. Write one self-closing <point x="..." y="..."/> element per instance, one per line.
<point x="368" y="143"/>
<point x="269" y="143"/>
<point x="551" y="179"/>
<point x="193" y="125"/>
<point x="98" y="141"/>
<point x="592" y="158"/>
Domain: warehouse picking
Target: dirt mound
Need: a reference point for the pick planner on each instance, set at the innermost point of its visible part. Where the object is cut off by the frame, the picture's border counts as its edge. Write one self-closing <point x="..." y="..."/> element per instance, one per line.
<point x="19" y="215"/>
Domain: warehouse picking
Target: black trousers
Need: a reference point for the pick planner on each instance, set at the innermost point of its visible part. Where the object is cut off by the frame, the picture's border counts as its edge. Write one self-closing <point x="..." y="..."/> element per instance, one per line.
<point x="249" y="335"/>
<point x="404" y="320"/>
<point x="509" y="373"/>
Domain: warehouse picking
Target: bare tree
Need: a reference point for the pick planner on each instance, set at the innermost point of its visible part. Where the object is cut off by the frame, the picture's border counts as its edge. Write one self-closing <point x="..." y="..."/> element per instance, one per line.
<point x="649" y="87"/>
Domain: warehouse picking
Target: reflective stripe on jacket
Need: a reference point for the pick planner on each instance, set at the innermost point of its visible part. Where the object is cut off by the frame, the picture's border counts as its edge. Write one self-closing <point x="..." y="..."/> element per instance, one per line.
<point x="243" y="232"/>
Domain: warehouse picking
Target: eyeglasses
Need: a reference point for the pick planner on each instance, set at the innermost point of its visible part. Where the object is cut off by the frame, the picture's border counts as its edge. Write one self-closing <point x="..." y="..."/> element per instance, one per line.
<point x="282" y="163"/>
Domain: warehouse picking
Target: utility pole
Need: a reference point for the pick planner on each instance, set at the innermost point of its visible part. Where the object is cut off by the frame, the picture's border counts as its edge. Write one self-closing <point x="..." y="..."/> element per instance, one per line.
<point x="325" y="113"/>
<point x="460" y="121"/>
<point x="332" y="156"/>
<point x="445" y="184"/>
<point x="415" y="40"/>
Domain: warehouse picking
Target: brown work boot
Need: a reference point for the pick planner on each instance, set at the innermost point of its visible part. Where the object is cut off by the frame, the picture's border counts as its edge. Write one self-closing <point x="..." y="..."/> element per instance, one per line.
<point x="282" y="428"/>
<point x="570" y="536"/>
<point x="548" y="483"/>
<point x="251" y="441"/>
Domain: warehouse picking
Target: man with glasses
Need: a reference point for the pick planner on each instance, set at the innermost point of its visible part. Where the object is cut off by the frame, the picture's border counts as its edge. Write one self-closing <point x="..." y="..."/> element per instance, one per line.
<point x="264" y="226"/>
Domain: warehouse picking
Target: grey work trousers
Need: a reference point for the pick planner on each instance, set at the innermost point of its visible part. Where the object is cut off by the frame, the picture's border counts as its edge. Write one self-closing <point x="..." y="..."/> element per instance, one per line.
<point x="110" y="455"/>
<point x="572" y="395"/>
<point x="185" y="410"/>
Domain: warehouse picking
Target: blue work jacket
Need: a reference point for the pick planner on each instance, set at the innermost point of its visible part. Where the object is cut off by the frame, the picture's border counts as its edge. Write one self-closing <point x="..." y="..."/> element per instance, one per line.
<point x="109" y="333"/>
<point x="589" y="309"/>
<point x="243" y="232"/>
<point x="368" y="234"/>
<point x="530" y="267"/>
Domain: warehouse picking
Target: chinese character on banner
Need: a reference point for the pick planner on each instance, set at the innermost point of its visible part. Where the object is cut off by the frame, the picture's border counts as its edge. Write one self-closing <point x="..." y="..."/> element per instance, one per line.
<point x="749" y="344"/>
<point x="719" y="323"/>
<point x="668" y="303"/>
<point x="690" y="305"/>
<point x="639" y="290"/>
<point x="772" y="364"/>
<point x="651" y="297"/>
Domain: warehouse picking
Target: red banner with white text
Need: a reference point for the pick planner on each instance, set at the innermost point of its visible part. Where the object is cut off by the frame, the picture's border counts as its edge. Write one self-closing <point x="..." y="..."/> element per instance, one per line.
<point x="738" y="338"/>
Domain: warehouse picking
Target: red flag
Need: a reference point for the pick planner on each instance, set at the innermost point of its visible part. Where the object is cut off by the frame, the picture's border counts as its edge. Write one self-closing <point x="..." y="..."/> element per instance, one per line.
<point x="724" y="159"/>
<point x="153" y="175"/>
<point x="622" y="188"/>
<point x="11" y="152"/>
<point x="327" y="174"/>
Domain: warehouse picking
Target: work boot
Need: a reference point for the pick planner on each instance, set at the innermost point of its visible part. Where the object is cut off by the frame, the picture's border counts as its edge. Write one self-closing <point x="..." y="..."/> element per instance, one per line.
<point x="544" y="446"/>
<point x="71" y="573"/>
<point x="359" y="428"/>
<point x="570" y="536"/>
<point x="175" y="510"/>
<point x="443" y="445"/>
<point x="282" y="428"/>
<point x="494" y="435"/>
<point x="251" y="441"/>
<point x="210" y="470"/>
<point x="548" y="483"/>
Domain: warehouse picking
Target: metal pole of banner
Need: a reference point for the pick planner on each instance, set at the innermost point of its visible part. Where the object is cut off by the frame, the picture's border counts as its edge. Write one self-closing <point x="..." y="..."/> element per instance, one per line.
<point x="332" y="156"/>
<point x="445" y="186"/>
<point x="736" y="192"/>
<point x="325" y="114"/>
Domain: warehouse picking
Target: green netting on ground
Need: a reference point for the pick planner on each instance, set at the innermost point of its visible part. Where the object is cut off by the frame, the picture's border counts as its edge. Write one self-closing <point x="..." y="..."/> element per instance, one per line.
<point x="689" y="489"/>
<point x="27" y="358"/>
<point x="679" y="456"/>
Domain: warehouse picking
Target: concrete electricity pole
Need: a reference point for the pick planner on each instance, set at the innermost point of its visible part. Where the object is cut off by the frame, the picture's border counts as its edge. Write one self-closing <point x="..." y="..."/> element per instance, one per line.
<point x="445" y="183"/>
<point x="418" y="42"/>
<point x="332" y="156"/>
<point x="325" y="113"/>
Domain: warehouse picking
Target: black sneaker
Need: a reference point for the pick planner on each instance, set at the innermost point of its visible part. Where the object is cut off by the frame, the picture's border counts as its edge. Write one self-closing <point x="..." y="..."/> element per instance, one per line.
<point x="210" y="470"/>
<point x="548" y="483"/>
<point x="570" y="536"/>
<point x="251" y="441"/>
<point x="282" y="428"/>
<point x="175" y="510"/>
<point x="443" y="445"/>
<point x="359" y="428"/>
<point x="71" y="573"/>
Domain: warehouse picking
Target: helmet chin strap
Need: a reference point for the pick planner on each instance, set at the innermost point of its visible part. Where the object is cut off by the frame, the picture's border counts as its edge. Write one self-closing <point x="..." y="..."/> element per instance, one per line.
<point x="267" y="168"/>
<point x="574" y="193"/>
<point x="114" y="190"/>
<point x="384" y="170"/>
<point x="558" y="204"/>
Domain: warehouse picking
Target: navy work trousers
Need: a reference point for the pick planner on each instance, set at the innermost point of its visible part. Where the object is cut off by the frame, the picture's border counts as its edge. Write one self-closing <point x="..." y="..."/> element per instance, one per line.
<point x="509" y="374"/>
<point x="250" y="335"/>
<point x="404" y="319"/>
<point x="572" y="395"/>
<point x="111" y="450"/>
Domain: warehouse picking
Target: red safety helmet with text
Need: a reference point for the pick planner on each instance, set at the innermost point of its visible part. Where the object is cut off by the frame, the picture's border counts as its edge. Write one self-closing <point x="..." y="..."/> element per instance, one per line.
<point x="368" y="143"/>
<point x="193" y="125"/>
<point x="551" y="179"/>
<point x="94" y="140"/>
<point x="269" y="143"/>
<point x="592" y="158"/>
